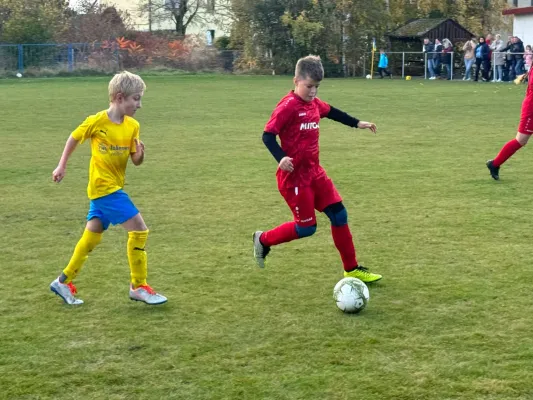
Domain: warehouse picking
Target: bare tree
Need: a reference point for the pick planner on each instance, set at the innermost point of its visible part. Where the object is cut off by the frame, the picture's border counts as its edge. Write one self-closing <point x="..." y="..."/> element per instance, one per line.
<point x="184" y="13"/>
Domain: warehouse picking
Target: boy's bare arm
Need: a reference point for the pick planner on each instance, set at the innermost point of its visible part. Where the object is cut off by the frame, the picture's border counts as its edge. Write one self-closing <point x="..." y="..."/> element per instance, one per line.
<point x="59" y="172"/>
<point x="138" y="157"/>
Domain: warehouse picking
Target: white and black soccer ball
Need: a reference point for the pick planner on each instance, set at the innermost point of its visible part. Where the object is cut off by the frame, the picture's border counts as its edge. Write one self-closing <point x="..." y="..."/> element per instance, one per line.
<point x="351" y="295"/>
<point x="369" y="76"/>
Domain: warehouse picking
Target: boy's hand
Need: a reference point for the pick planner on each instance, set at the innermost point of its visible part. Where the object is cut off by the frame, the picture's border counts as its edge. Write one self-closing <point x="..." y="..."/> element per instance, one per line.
<point x="286" y="164"/>
<point x="367" y="125"/>
<point x="58" y="174"/>
<point x="139" y="146"/>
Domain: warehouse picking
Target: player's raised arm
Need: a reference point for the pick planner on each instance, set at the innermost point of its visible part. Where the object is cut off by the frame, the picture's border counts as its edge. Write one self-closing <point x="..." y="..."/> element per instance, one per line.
<point x="346" y="119"/>
<point x="59" y="172"/>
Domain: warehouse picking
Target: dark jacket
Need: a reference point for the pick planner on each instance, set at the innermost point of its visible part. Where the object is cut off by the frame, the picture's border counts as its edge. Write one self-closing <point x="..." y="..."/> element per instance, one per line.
<point x="437" y="51"/>
<point x="446" y="55"/>
<point x="515" y="48"/>
<point x="485" y="50"/>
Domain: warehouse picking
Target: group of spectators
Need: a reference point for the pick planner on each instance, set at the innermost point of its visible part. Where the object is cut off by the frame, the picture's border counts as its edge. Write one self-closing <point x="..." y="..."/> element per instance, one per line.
<point x="494" y="59"/>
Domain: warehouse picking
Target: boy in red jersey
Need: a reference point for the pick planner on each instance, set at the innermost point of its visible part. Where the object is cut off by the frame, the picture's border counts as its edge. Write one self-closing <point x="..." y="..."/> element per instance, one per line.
<point x="302" y="182"/>
<point x="525" y="130"/>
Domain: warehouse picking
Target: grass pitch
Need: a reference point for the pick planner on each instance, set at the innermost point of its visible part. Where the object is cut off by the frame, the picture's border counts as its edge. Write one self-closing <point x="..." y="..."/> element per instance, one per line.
<point x="450" y="320"/>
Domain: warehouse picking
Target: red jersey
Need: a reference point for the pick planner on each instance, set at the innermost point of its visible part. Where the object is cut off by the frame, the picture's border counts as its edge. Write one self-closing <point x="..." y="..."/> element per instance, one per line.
<point x="297" y="124"/>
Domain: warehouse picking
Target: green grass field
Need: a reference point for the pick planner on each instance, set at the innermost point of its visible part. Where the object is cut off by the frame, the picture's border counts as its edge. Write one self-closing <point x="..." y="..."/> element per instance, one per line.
<point x="450" y="320"/>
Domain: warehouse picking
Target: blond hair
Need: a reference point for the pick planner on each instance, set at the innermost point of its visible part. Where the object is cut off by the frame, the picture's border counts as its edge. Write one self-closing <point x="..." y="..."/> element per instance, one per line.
<point x="126" y="83"/>
<point x="309" y="67"/>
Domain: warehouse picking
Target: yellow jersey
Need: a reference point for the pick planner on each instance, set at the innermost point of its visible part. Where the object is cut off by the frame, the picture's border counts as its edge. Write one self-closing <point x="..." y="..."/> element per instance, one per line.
<point x="111" y="146"/>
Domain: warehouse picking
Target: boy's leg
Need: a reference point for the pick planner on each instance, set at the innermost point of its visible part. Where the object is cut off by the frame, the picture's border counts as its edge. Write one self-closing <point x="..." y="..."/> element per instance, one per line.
<point x="91" y="237"/>
<point x="525" y="130"/>
<point x="138" y="262"/>
<point x="63" y="286"/>
<point x="300" y="201"/>
<point x="329" y="202"/>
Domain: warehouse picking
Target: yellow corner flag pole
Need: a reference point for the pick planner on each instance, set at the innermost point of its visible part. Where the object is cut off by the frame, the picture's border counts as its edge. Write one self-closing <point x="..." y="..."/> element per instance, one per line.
<point x="373" y="52"/>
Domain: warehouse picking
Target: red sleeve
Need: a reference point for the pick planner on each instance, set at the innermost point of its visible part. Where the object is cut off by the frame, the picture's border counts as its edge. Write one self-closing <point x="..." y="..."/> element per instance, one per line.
<point x="279" y="119"/>
<point x="323" y="107"/>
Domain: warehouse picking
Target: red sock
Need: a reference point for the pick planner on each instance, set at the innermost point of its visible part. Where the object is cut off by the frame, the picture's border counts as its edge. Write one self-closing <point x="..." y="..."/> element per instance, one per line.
<point x="342" y="237"/>
<point x="507" y="151"/>
<point x="280" y="234"/>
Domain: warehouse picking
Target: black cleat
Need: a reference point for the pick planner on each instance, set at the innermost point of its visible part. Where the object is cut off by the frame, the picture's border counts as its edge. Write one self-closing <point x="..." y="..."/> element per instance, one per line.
<point x="494" y="171"/>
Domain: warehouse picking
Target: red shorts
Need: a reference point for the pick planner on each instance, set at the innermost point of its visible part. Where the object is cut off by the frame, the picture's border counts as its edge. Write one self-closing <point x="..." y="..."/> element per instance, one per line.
<point x="303" y="201"/>
<point x="526" y="120"/>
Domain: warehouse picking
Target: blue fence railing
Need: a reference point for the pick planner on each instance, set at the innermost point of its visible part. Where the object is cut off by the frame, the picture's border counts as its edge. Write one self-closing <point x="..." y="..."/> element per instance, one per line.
<point x="67" y="57"/>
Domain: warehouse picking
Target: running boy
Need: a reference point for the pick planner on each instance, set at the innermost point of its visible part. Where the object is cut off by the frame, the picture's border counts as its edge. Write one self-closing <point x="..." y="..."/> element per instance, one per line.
<point x="525" y="130"/>
<point x="114" y="137"/>
<point x="302" y="182"/>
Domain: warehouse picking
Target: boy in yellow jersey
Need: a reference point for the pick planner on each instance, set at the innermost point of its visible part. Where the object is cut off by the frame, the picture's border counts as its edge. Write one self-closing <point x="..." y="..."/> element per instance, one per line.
<point x="114" y="137"/>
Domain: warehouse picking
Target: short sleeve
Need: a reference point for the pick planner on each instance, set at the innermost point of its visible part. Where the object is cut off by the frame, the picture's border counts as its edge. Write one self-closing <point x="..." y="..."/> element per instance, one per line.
<point x="323" y="107"/>
<point x="279" y="119"/>
<point x="85" y="130"/>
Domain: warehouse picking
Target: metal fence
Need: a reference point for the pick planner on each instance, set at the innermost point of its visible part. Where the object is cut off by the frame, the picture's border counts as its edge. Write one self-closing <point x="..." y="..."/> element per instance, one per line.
<point x="40" y="59"/>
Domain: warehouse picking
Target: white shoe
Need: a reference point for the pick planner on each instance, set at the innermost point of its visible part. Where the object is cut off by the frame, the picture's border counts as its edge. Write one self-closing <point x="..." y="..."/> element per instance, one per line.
<point x="65" y="291"/>
<point x="499" y="80"/>
<point x="432" y="78"/>
<point x="464" y="79"/>
<point x="260" y="250"/>
<point x="147" y="295"/>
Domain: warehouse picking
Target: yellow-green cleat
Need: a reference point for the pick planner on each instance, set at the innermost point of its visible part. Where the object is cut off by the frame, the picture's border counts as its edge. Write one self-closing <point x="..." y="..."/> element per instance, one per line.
<point x="363" y="274"/>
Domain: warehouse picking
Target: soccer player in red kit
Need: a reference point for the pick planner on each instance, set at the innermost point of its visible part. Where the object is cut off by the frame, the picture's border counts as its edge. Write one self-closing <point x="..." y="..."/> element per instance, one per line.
<point x="302" y="182"/>
<point x="525" y="130"/>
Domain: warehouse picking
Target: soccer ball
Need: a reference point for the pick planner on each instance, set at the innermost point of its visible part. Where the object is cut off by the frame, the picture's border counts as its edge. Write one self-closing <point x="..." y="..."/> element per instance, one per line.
<point x="19" y="75"/>
<point x="369" y="76"/>
<point x="351" y="295"/>
<point x="408" y="78"/>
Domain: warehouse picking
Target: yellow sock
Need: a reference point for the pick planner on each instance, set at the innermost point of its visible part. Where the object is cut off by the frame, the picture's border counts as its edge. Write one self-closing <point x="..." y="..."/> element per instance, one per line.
<point x="137" y="257"/>
<point x="89" y="240"/>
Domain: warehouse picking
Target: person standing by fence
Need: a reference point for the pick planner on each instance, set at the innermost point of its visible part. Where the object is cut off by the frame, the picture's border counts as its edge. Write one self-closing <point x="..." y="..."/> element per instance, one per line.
<point x="469" y="57"/>
<point x="446" y="57"/>
<point x="383" y="64"/>
<point x="482" y="58"/>
<point x="498" y="58"/>
<point x="428" y="48"/>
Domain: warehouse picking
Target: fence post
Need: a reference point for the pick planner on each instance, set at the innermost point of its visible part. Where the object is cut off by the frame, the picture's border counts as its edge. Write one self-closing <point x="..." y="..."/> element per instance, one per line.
<point x="70" y="57"/>
<point x="20" y="58"/>
<point x="451" y="68"/>
<point x="364" y="65"/>
<point x="403" y="64"/>
<point x="425" y="65"/>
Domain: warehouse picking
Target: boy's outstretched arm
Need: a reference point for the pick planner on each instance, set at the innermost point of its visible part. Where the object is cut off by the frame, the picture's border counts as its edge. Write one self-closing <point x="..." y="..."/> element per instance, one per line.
<point x="284" y="162"/>
<point x="59" y="172"/>
<point x="340" y="116"/>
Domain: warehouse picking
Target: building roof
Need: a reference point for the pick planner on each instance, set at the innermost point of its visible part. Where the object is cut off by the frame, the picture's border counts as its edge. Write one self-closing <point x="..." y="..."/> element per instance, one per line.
<point x="417" y="27"/>
<point x="517" y="11"/>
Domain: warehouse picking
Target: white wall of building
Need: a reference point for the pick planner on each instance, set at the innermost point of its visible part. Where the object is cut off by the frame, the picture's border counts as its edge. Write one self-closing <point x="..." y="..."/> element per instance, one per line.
<point x="521" y="3"/>
<point x="523" y="27"/>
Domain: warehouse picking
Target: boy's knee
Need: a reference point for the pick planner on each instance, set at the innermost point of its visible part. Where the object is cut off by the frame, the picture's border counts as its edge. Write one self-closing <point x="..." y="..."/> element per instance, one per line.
<point x="337" y="214"/>
<point x="305" y="231"/>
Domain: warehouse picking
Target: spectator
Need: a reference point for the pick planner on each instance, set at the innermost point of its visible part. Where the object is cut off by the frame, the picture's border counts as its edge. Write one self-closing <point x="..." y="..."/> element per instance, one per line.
<point x="508" y="60"/>
<point x="488" y="40"/>
<point x="469" y="57"/>
<point x="528" y="58"/>
<point x="436" y="58"/>
<point x="383" y="64"/>
<point x="498" y="58"/>
<point x="428" y="48"/>
<point x="446" y="57"/>
<point x="517" y="57"/>
<point x="482" y="59"/>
